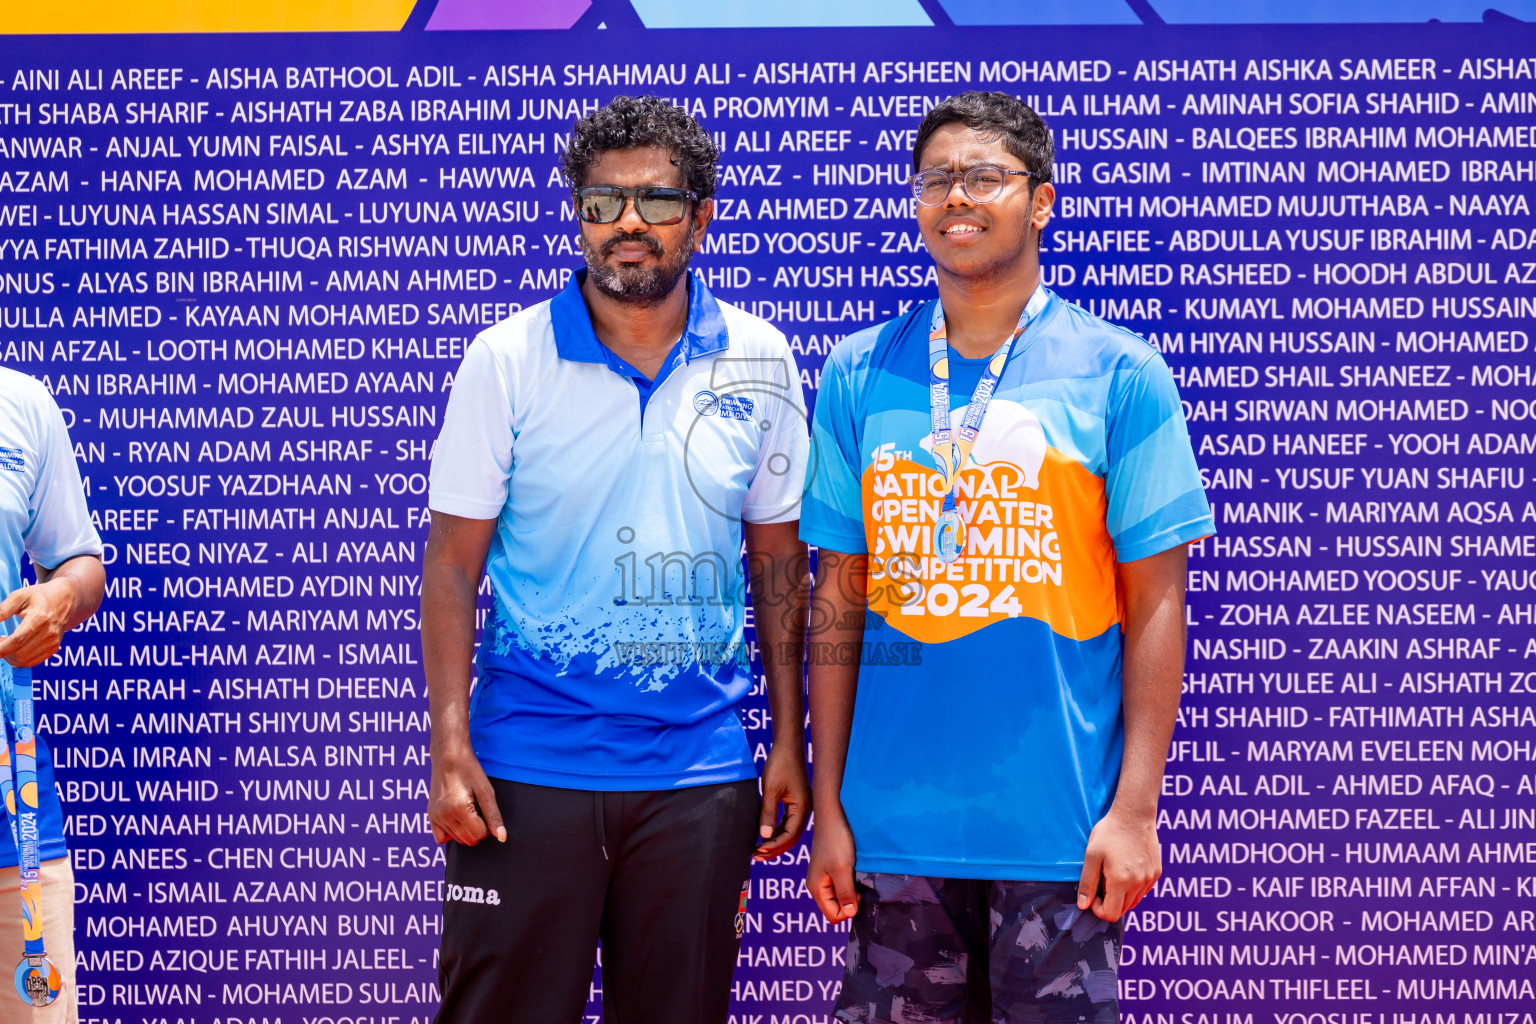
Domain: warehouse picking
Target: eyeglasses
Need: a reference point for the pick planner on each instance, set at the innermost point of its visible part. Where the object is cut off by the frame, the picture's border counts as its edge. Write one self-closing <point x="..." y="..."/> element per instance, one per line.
<point x="656" y="204"/>
<point x="981" y="184"/>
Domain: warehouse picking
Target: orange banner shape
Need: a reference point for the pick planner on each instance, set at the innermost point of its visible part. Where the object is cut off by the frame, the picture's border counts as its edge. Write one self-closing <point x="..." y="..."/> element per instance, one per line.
<point x="1040" y="552"/>
<point x="112" y="17"/>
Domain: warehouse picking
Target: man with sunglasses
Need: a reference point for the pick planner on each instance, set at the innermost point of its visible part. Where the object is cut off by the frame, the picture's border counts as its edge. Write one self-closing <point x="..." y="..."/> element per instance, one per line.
<point x="1008" y="481"/>
<point x="603" y="455"/>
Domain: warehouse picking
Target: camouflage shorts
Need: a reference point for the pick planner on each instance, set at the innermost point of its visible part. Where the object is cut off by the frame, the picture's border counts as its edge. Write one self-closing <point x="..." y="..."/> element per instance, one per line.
<point x="958" y="951"/>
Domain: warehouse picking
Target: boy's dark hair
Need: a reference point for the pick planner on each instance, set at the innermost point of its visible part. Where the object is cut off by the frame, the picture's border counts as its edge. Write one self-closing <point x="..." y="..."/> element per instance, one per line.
<point x="631" y="121"/>
<point x="996" y="115"/>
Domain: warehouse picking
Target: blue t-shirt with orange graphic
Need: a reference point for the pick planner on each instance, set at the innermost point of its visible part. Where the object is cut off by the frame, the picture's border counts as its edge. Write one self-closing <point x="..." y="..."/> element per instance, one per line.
<point x="996" y="755"/>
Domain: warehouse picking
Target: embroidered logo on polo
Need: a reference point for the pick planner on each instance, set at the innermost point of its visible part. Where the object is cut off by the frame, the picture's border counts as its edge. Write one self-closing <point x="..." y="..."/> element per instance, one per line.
<point x="13" y="459"/>
<point x="735" y="407"/>
<point x="729" y="407"/>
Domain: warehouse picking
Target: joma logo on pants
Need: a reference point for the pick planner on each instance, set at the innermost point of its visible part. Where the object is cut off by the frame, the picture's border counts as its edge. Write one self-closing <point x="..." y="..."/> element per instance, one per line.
<point x="472" y="894"/>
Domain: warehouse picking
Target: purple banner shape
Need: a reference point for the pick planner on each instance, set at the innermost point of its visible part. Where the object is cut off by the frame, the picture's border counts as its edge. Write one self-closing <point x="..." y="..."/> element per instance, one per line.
<point x="502" y="14"/>
<point x="1015" y="12"/>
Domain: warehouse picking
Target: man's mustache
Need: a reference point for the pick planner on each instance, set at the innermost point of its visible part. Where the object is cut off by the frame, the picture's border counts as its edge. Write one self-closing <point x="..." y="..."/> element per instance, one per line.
<point x="606" y="249"/>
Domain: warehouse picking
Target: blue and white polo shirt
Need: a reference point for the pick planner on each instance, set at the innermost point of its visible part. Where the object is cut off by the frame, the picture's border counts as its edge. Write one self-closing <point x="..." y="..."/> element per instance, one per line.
<point x="613" y="657"/>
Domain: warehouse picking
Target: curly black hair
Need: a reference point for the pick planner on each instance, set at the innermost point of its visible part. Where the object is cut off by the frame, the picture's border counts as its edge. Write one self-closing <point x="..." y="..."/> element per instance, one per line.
<point x="996" y="115"/>
<point x="631" y="121"/>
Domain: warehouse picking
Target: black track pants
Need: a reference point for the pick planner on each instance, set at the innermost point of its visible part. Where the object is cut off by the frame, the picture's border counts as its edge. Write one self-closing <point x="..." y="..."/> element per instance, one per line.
<point x="658" y="876"/>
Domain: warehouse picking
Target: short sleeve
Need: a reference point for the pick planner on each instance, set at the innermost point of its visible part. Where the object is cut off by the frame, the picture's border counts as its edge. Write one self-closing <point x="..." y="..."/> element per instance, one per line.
<point x="833" y="513"/>
<point x="472" y="463"/>
<point x="778" y="479"/>
<point x="1156" y="501"/>
<point x="59" y="524"/>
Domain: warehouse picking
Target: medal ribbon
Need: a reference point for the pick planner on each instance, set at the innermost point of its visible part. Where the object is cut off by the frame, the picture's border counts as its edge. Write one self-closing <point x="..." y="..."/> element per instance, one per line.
<point x="951" y="452"/>
<point x="37" y="980"/>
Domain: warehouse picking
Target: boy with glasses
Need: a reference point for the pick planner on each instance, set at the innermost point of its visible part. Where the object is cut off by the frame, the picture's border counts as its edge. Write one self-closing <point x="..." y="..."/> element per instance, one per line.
<point x="602" y="455"/>
<point x="1007" y="480"/>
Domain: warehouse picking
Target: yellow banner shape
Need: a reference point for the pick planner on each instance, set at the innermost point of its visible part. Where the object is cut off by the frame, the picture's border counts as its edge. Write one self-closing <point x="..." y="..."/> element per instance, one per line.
<point x="108" y="17"/>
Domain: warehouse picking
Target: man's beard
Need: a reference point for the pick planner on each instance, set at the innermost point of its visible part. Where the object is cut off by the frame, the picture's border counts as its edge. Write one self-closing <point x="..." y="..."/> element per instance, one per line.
<point x="633" y="283"/>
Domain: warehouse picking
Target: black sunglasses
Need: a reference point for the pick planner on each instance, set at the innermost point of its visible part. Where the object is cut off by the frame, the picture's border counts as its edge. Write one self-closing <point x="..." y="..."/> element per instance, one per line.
<point x="656" y="204"/>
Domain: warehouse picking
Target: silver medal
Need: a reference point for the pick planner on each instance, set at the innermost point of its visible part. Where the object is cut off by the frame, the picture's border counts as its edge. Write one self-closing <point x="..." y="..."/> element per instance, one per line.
<point x="949" y="536"/>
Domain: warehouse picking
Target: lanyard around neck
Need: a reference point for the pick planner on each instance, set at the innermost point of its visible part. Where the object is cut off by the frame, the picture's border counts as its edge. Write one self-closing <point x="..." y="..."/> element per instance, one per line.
<point x="951" y="447"/>
<point x="37" y="979"/>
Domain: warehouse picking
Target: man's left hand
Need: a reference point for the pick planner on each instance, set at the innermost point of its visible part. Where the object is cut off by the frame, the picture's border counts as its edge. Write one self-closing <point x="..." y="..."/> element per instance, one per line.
<point x="784" y="782"/>
<point x="1124" y="853"/>
<point x="45" y="610"/>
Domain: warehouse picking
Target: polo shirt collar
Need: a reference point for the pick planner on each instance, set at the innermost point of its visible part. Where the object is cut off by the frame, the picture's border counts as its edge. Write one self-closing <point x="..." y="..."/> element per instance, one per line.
<point x="575" y="340"/>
